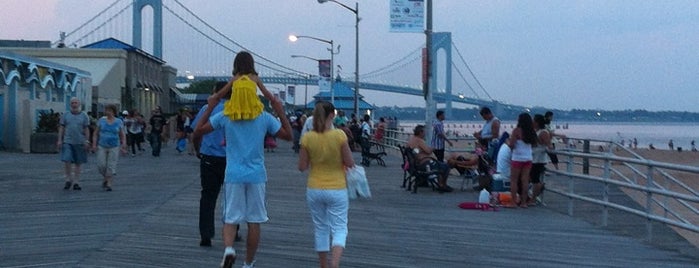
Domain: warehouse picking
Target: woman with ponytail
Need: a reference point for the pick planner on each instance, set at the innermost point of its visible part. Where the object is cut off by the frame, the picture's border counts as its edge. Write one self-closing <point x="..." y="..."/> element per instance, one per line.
<point x="325" y="151"/>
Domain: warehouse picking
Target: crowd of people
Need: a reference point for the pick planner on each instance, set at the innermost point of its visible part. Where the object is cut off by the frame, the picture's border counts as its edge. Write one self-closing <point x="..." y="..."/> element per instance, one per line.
<point x="521" y="156"/>
<point x="229" y="135"/>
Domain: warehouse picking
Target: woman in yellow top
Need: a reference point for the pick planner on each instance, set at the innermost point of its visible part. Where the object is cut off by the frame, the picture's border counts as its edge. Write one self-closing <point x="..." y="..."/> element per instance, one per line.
<point x="326" y="152"/>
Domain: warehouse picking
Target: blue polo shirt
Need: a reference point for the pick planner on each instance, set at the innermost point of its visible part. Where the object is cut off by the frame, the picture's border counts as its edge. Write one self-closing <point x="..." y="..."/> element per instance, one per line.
<point x="213" y="143"/>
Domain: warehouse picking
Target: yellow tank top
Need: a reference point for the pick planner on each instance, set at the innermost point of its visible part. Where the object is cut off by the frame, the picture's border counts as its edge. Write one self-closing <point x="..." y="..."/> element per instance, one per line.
<point x="244" y="103"/>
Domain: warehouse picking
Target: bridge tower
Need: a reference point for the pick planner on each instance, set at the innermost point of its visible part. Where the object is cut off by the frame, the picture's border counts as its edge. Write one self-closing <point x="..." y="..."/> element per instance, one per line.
<point x="442" y="40"/>
<point x="137" y="24"/>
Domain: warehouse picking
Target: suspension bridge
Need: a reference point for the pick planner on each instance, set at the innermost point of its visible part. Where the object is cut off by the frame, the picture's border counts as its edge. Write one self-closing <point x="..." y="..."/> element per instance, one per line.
<point x="208" y="54"/>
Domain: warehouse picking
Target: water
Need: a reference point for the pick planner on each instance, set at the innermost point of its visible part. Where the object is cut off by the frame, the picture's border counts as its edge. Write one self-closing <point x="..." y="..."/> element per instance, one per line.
<point x="658" y="133"/>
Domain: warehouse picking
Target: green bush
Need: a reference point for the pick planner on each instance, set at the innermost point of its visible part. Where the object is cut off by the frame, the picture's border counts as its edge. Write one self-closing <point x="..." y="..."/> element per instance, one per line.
<point x="48" y="122"/>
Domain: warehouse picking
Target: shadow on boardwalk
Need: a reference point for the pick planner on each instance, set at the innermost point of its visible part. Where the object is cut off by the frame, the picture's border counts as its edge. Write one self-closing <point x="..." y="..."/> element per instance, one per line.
<point x="151" y="217"/>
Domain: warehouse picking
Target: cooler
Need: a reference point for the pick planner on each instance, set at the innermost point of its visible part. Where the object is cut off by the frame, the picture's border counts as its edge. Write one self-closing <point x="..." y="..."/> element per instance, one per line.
<point x="500" y="183"/>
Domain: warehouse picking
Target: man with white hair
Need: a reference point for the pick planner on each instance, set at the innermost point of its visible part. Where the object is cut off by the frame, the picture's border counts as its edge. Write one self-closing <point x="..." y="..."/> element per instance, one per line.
<point x="73" y="131"/>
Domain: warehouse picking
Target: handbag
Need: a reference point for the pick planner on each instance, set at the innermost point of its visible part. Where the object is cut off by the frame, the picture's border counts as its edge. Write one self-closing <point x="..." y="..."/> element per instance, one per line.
<point x="357" y="184"/>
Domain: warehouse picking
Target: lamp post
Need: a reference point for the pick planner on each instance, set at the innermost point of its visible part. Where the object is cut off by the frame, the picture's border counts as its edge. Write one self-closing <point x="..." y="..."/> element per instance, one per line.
<point x="294" y="38"/>
<point x="307" y="76"/>
<point x="356" y="49"/>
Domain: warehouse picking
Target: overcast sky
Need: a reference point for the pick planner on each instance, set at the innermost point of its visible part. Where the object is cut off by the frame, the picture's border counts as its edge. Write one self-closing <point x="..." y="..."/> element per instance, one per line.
<point x="611" y="55"/>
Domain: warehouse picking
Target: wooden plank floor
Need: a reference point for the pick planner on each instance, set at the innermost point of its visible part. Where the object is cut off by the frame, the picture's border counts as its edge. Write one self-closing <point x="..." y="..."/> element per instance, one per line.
<point x="151" y="217"/>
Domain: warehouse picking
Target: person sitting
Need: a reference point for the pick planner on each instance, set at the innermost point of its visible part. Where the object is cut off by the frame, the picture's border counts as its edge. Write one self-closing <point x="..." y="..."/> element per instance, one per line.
<point x="424" y="157"/>
<point x="461" y="162"/>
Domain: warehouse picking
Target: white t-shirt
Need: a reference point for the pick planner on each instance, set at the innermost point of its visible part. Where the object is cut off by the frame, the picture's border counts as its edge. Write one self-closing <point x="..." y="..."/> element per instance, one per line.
<point x="504" y="159"/>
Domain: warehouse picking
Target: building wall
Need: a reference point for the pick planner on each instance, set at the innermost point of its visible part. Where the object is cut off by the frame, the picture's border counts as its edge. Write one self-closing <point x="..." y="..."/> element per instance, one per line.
<point x="30" y="85"/>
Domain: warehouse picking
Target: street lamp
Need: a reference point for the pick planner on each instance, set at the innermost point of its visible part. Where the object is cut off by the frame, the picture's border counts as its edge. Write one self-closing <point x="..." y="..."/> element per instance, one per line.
<point x="307" y="77"/>
<point x="356" y="49"/>
<point x="294" y="38"/>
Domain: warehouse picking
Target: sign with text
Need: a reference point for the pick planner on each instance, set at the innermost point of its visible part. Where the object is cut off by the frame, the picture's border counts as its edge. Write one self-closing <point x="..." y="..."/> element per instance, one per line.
<point x="407" y="16"/>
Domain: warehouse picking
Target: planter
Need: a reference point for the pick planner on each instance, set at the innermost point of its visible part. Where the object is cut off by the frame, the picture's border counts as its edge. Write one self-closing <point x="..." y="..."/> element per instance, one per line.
<point x="43" y="143"/>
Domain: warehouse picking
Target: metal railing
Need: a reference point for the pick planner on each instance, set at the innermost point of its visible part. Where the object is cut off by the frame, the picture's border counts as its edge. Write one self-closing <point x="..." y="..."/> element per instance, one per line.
<point x="667" y="199"/>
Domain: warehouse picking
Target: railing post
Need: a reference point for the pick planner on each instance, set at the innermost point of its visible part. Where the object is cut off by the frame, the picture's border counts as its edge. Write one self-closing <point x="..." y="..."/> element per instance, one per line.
<point x="571" y="184"/>
<point x="605" y="190"/>
<point x="649" y="203"/>
<point x="585" y="160"/>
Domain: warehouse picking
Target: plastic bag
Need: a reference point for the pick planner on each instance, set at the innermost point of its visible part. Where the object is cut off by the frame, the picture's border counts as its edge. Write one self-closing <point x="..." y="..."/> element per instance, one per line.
<point x="357" y="184"/>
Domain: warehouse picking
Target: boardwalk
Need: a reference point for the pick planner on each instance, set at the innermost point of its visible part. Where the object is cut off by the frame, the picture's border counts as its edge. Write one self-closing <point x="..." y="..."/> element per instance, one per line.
<point x="150" y="220"/>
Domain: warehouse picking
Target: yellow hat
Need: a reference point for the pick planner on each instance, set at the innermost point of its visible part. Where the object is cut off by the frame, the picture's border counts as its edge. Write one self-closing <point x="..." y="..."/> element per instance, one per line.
<point x="244" y="103"/>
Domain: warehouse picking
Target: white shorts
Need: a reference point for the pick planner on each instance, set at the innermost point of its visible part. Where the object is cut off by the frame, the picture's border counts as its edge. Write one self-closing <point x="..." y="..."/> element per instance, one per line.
<point x="244" y="203"/>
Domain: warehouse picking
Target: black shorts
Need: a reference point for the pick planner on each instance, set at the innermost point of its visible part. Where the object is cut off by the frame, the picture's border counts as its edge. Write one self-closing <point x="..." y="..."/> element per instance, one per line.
<point x="537" y="172"/>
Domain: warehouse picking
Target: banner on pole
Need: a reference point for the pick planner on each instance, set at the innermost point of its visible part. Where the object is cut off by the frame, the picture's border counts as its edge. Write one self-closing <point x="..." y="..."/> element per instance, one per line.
<point x="324" y="68"/>
<point x="407" y="16"/>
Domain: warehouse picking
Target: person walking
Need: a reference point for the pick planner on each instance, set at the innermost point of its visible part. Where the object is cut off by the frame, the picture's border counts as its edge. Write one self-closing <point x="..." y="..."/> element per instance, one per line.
<point x="326" y="152"/>
<point x="245" y="124"/>
<point x="134" y="129"/>
<point x="438" y="136"/>
<point x="73" y="134"/>
<point x="211" y="151"/>
<point x="158" y="122"/>
<point x="108" y="140"/>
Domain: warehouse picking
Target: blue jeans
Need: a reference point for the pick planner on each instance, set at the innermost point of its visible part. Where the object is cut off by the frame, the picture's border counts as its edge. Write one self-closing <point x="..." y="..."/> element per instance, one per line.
<point x="155" y="143"/>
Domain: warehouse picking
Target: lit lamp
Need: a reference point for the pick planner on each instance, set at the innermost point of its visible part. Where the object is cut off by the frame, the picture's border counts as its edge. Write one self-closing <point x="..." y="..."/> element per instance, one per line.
<point x="294" y="38"/>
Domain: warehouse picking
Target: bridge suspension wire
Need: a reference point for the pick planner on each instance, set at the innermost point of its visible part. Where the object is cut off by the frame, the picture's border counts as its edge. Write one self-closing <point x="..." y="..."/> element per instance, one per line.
<point x="458" y="71"/>
<point x="90" y="20"/>
<point x="99" y="27"/>
<point x="284" y="69"/>
<point x="392" y="67"/>
<point x="470" y="71"/>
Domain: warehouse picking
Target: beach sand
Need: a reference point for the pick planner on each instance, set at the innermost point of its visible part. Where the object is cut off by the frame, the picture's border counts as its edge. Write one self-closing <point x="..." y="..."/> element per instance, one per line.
<point x="690" y="179"/>
<point x="675" y="157"/>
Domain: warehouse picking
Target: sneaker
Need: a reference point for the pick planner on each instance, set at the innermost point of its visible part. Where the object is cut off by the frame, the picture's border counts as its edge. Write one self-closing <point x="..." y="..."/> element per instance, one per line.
<point x="67" y="185"/>
<point x="249" y="265"/>
<point x="76" y="187"/>
<point x="107" y="188"/>
<point x="228" y="261"/>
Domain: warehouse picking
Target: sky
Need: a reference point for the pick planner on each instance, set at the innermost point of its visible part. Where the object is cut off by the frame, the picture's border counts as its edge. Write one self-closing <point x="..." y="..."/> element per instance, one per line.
<point x="590" y="54"/>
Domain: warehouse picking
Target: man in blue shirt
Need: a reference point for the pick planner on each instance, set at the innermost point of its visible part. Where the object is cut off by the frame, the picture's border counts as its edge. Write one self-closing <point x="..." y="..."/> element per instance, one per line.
<point x="212" y="170"/>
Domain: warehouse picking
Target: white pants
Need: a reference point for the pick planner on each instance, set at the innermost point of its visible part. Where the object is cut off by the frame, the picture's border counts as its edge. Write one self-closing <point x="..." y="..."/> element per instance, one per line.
<point x="329" y="213"/>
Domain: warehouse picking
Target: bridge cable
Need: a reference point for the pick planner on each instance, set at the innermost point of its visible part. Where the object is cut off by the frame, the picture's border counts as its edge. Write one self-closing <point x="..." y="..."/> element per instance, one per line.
<point x="102" y="25"/>
<point x="217" y="42"/>
<point x="394" y="65"/>
<point x="91" y="20"/>
<point x="232" y="41"/>
<point x="458" y="71"/>
<point x="470" y="71"/>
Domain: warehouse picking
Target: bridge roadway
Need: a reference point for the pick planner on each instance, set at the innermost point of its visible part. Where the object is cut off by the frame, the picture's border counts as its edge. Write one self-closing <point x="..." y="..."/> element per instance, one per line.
<point x="150" y="220"/>
<point x="439" y="97"/>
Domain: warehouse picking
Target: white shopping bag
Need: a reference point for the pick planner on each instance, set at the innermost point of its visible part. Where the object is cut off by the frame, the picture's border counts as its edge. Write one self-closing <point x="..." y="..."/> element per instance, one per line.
<point x="357" y="184"/>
